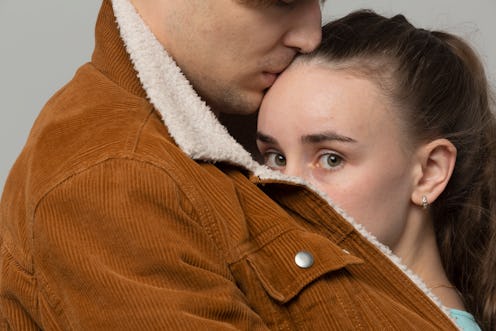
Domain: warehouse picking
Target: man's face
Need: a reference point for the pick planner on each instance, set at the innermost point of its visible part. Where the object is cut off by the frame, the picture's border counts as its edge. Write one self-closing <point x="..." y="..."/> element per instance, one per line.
<point x="233" y="50"/>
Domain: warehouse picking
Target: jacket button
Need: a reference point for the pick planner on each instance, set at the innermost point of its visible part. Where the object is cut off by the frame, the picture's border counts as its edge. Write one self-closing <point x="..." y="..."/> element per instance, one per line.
<point x="304" y="259"/>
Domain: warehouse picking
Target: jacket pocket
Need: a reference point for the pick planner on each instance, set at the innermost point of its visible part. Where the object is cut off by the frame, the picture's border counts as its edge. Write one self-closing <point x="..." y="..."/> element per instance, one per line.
<point x="293" y="260"/>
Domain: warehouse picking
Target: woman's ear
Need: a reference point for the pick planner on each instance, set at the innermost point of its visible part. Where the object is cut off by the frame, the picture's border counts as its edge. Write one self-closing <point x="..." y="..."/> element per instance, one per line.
<point x="437" y="161"/>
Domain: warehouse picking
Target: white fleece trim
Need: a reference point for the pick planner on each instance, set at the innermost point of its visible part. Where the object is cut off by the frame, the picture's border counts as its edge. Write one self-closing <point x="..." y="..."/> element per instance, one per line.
<point x="195" y="128"/>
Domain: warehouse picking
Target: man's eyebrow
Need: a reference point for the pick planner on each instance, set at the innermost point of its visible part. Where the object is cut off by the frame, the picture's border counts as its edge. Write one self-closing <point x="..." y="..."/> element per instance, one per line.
<point x="265" y="138"/>
<point x="326" y="136"/>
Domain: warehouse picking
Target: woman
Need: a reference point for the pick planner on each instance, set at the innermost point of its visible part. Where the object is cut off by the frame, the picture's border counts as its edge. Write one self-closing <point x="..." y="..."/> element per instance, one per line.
<point x="394" y="124"/>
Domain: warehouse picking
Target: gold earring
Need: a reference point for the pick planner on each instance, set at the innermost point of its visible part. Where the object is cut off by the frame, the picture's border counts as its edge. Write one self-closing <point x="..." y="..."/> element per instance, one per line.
<point x="425" y="203"/>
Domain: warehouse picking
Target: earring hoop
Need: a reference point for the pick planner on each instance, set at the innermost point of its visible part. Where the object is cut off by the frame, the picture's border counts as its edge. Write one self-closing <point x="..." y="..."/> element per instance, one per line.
<point x="425" y="202"/>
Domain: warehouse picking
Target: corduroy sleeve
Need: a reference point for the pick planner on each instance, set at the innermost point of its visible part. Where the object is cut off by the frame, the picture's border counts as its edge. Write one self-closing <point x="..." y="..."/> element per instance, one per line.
<point x="120" y="247"/>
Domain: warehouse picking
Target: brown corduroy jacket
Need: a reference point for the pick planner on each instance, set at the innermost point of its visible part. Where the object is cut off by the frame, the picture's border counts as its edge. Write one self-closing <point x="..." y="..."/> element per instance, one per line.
<point x="111" y="220"/>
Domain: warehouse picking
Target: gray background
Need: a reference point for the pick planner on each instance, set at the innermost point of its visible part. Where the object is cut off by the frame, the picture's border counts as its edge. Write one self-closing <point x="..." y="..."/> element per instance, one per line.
<point x="42" y="43"/>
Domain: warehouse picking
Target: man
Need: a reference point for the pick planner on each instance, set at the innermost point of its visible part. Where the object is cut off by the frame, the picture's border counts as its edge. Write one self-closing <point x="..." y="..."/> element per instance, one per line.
<point x="111" y="220"/>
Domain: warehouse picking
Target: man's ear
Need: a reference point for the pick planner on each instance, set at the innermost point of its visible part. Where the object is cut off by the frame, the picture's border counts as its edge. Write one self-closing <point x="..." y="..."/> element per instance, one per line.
<point x="436" y="162"/>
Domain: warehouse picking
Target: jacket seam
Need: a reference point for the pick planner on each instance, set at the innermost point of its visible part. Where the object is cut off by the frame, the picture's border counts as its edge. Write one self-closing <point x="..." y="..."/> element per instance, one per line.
<point x="140" y="130"/>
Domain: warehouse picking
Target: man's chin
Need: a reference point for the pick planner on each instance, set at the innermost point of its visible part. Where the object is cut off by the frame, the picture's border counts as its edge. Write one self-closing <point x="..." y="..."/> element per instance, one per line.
<point x="239" y="114"/>
<point x="237" y="104"/>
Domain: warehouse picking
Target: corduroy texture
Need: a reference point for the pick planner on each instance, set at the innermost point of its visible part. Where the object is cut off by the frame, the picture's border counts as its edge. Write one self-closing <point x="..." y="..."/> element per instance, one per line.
<point x="107" y="225"/>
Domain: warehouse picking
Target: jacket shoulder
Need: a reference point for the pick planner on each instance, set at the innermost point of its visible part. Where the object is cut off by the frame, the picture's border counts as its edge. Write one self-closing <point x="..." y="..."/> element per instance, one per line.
<point x="89" y="120"/>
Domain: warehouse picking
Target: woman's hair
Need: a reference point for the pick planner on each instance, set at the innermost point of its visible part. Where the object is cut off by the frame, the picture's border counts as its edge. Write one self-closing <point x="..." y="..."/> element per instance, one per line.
<point x="438" y="86"/>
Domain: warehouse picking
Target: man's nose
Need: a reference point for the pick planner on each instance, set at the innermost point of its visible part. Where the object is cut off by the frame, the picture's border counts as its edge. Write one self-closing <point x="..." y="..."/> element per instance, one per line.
<point x="306" y="33"/>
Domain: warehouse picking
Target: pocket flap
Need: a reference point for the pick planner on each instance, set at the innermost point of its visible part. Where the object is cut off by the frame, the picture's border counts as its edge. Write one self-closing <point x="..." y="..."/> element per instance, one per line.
<point x="295" y="259"/>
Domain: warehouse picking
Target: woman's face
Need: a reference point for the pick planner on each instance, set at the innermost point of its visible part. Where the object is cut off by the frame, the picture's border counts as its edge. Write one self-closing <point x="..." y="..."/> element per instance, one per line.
<point x="340" y="133"/>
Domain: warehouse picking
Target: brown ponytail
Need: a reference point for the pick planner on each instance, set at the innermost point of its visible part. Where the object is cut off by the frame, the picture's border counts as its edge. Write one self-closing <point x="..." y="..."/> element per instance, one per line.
<point x="467" y="211"/>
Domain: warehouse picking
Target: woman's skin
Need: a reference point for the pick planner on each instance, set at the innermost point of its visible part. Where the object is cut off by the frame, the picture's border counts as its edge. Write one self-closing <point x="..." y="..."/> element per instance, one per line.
<point x="338" y="131"/>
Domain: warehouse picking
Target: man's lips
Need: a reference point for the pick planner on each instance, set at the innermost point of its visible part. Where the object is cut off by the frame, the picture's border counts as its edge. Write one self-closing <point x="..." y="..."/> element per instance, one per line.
<point x="269" y="78"/>
<point x="270" y="74"/>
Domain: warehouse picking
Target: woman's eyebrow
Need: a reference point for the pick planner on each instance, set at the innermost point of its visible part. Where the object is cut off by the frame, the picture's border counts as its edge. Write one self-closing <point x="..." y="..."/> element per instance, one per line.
<point x="325" y="136"/>
<point x="265" y="138"/>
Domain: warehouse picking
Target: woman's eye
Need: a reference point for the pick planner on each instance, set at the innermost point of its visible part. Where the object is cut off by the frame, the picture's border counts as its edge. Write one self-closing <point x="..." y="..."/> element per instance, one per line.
<point x="330" y="161"/>
<point x="275" y="160"/>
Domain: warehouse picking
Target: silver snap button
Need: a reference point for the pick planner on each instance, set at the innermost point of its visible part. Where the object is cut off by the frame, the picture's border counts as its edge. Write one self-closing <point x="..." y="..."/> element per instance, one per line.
<point x="304" y="259"/>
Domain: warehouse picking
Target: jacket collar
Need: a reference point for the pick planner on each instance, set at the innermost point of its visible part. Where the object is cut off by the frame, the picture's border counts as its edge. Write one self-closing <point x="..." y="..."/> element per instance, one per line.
<point x="191" y="123"/>
<point x="128" y="53"/>
<point x="110" y="55"/>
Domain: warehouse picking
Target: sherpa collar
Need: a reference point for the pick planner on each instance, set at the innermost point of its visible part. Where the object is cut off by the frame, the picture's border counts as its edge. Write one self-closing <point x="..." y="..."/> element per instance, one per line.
<point x="195" y="129"/>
